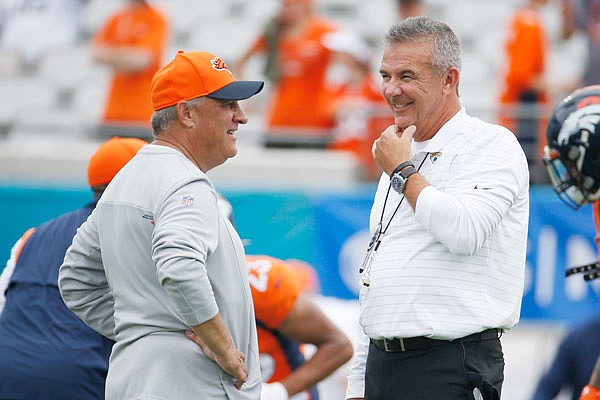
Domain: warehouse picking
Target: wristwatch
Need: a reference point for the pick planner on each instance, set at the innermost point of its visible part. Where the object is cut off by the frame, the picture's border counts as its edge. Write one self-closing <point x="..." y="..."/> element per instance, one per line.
<point x="400" y="175"/>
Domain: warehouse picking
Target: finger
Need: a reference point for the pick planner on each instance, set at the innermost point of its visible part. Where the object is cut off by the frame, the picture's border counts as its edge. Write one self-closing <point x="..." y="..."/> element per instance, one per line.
<point x="194" y="338"/>
<point x="238" y="384"/>
<point x="409" y="131"/>
<point x="390" y="130"/>
<point x="241" y="380"/>
<point x="190" y="334"/>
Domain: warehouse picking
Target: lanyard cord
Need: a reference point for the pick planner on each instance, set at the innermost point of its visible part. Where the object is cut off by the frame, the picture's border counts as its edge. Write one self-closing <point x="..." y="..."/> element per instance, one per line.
<point x="397" y="207"/>
<point x="376" y="238"/>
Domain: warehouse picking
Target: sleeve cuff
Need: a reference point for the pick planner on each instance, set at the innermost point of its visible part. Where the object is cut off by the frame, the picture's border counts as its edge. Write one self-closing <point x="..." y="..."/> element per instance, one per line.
<point x="355" y="388"/>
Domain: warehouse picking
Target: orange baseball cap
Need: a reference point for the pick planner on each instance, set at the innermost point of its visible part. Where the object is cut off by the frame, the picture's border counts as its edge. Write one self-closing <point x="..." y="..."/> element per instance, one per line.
<point x="195" y="74"/>
<point x="110" y="157"/>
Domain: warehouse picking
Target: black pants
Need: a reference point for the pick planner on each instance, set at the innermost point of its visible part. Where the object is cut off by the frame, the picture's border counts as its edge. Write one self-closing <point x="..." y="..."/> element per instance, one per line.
<point x="449" y="372"/>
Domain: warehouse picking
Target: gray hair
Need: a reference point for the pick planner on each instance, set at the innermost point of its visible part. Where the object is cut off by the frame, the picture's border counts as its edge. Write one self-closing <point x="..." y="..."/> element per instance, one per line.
<point x="445" y="45"/>
<point x="161" y="119"/>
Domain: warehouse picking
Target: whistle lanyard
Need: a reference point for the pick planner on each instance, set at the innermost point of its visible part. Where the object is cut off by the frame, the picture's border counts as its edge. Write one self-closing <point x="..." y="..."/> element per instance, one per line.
<point x="379" y="232"/>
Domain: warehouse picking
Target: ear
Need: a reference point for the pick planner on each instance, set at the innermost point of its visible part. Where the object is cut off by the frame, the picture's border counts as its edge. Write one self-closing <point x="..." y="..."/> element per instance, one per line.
<point x="184" y="114"/>
<point x="451" y="80"/>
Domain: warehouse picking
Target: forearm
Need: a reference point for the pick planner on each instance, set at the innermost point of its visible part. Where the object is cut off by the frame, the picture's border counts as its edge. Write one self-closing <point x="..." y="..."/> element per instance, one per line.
<point x="215" y="335"/>
<point x="461" y="224"/>
<point x="414" y="185"/>
<point x="214" y="339"/>
<point x="123" y="59"/>
<point x="329" y="357"/>
<point x="568" y="19"/>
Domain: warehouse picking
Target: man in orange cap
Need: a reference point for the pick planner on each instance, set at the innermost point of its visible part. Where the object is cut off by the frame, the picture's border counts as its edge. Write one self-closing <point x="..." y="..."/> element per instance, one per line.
<point x="157" y="258"/>
<point x="47" y="352"/>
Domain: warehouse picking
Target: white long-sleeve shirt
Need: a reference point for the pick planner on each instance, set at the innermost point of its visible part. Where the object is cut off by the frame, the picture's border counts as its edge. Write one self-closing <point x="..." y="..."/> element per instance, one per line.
<point x="455" y="265"/>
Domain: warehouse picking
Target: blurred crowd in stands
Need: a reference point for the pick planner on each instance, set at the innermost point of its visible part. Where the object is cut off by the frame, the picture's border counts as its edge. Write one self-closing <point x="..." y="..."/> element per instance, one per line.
<point x="81" y="68"/>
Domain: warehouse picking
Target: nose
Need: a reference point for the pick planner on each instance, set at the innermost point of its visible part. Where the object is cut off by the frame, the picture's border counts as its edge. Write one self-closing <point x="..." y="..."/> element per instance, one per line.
<point x="390" y="89"/>
<point x="240" y="116"/>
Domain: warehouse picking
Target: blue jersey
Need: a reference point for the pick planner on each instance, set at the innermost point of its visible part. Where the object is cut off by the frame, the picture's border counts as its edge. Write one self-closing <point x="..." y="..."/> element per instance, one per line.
<point x="46" y="351"/>
<point x="573" y="363"/>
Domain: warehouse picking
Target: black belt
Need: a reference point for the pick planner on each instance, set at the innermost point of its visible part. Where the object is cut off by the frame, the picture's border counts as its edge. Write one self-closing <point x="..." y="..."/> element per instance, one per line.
<point x="422" y="342"/>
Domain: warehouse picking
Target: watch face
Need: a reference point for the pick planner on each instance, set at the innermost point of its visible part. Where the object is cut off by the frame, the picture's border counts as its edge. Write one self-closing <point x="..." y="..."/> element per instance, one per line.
<point x="398" y="183"/>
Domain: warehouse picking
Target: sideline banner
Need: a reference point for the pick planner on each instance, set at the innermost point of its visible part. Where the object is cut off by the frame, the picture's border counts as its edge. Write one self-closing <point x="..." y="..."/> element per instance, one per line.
<point x="330" y="231"/>
<point x="559" y="238"/>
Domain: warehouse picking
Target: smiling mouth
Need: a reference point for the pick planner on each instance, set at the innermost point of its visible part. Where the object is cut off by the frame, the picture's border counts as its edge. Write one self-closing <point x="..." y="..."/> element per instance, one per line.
<point x="401" y="107"/>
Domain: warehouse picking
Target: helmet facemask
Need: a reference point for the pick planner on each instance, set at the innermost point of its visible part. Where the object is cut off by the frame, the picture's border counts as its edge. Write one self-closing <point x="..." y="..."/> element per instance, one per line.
<point x="571" y="158"/>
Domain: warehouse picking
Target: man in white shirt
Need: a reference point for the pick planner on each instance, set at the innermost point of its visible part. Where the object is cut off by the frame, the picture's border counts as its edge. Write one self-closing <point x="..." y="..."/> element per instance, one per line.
<point x="444" y="272"/>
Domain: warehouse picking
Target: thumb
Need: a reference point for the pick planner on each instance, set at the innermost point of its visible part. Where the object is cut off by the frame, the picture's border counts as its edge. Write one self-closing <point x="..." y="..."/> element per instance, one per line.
<point x="409" y="132"/>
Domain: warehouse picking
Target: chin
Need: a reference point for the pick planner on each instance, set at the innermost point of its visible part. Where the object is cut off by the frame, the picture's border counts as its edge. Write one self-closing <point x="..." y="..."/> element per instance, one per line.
<point x="402" y="122"/>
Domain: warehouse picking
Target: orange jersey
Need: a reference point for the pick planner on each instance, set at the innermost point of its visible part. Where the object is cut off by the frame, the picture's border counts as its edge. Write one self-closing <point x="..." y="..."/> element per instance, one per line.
<point x="129" y="94"/>
<point x="526" y="63"/>
<point x="274" y="292"/>
<point x="275" y="287"/>
<point x="525" y="54"/>
<point x="299" y="94"/>
<point x="361" y="123"/>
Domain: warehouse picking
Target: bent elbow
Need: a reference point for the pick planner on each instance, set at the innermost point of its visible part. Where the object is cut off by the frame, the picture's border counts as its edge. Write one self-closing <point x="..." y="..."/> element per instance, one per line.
<point x="470" y="238"/>
<point x="468" y="247"/>
<point x="345" y="350"/>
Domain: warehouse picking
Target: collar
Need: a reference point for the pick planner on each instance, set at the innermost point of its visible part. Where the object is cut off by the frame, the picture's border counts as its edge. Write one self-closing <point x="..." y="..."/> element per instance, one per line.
<point x="443" y="136"/>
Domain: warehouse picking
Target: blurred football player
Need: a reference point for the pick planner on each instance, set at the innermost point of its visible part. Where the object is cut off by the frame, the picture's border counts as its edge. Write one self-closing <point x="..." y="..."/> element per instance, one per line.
<point x="572" y="159"/>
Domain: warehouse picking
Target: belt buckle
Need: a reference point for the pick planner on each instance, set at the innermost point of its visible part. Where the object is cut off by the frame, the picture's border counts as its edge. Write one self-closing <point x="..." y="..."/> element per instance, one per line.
<point x="387" y="348"/>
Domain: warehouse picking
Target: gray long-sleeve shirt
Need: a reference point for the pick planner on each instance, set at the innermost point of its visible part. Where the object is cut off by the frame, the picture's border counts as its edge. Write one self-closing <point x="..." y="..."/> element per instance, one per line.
<point x="155" y="258"/>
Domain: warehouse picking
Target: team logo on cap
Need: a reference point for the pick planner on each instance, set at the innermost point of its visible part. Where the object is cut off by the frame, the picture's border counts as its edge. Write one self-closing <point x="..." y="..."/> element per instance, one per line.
<point x="219" y="64"/>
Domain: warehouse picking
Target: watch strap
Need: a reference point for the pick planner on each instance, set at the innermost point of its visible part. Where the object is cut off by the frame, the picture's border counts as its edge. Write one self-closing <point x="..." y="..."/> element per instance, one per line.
<point x="405" y="173"/>
<point x="401" y="166"/>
